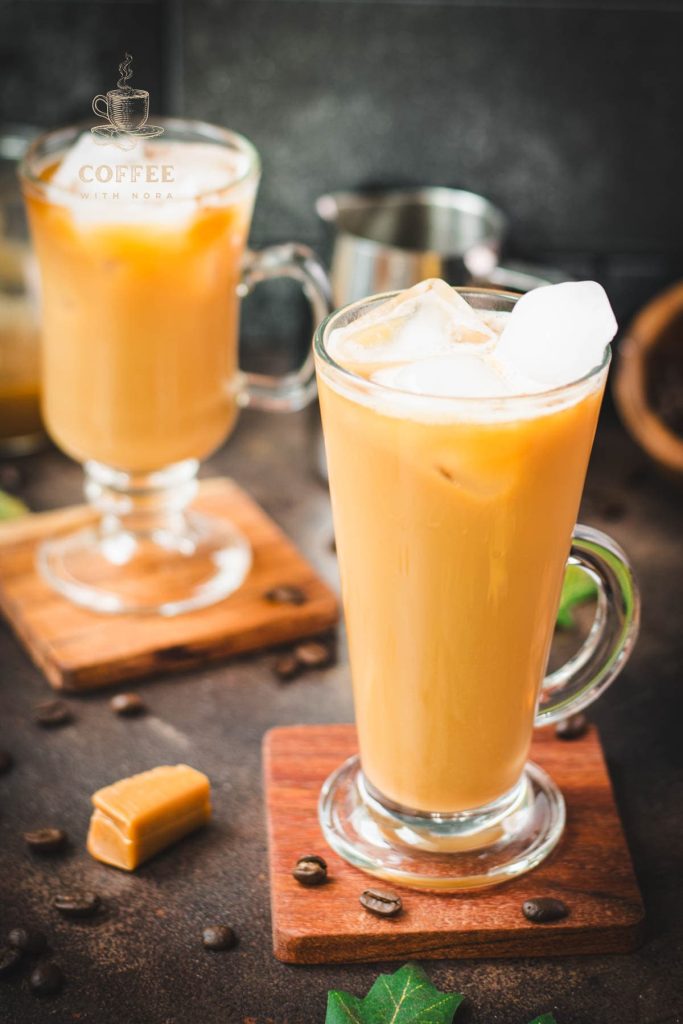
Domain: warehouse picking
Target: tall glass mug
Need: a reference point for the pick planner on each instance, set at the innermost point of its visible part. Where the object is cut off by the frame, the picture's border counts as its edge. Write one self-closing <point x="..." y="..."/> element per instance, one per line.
<point x="141" y="380"/>
<point x="454" y="519"/>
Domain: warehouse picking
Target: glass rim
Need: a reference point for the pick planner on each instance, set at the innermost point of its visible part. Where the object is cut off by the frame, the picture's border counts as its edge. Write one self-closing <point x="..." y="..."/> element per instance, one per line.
<point x="29" y="176"/>
<point x="558" y="392"/>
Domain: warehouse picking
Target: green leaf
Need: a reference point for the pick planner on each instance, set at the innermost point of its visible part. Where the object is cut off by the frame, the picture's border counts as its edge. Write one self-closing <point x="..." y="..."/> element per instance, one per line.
<point x="11" y="507"/>
<point x="405" y="997"/>
<point x="578" y="588"/>
<point x="545" y="1018"/>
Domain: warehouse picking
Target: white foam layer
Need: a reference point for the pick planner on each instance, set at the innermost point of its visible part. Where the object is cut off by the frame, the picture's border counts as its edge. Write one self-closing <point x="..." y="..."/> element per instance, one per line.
<point x="160" y="181"/>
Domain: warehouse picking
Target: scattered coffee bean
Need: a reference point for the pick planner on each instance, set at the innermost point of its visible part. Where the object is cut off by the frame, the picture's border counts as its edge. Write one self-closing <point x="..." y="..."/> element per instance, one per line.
<point x="45" y="840"/>
<point x="383" y="904"/>
<point x="287" y="666"/>
<point x="544" y="910"/>
<point x="128" y="704"/>
<point x="286" y="594"/>
<point x="46" y="980"/>
<point x="52" y="713"/>
<point x="9" y="960"/>
<point x="572" y="728"/>
<point x="27" y="940"/>
<point x="313" y="654"/>
<point x="77" y="904"/>
<point x="6" y="762"/>
<point x="218" y="937"/>
<point x="310" y="870"/>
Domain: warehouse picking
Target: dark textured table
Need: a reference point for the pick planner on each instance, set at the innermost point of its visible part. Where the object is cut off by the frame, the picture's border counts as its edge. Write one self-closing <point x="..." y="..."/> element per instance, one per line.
<point x="143" y="962"/>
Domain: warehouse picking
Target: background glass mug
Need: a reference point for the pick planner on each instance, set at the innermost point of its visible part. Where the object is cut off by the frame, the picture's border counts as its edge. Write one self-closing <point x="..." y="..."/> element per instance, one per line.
<point x="140" y="366"/>
<point x="125" y="109"/>
<point x="452" y="531"/>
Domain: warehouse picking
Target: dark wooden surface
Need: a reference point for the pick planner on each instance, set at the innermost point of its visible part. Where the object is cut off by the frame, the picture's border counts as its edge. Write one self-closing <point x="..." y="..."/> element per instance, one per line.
<point x="143" y="963"/>
<point x="80" y="651"/>
<point x="590" y="870"/>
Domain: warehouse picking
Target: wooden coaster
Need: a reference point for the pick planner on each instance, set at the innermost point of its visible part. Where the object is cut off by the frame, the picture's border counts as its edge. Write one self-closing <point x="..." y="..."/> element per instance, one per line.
<point x="79" y="650"/>
<point x="590" y="870"/>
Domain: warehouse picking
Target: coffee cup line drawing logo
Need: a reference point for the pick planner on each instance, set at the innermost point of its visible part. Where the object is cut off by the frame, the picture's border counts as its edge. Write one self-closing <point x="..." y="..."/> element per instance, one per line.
<point x="125" y="110"/>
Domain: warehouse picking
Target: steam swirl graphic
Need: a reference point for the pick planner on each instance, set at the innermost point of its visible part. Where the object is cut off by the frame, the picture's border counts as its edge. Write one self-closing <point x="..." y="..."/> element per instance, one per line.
<point x="126" y="73"/>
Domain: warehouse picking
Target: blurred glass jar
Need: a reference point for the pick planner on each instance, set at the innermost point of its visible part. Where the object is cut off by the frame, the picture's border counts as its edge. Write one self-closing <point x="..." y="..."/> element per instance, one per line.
<point x="21" y="428"/>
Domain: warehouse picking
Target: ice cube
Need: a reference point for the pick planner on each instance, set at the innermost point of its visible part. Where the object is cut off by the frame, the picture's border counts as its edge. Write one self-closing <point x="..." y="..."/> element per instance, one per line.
<point x="425" y="321"/>
<point x="450" y="376"/>
<point x="558" y="333"/>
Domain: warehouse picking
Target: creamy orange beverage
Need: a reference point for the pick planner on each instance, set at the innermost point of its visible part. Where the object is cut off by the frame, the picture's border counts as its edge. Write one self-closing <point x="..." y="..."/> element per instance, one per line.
<point x="454" y="504"/>
<point x="140" y="254"/>
<point x="140" y="234"/>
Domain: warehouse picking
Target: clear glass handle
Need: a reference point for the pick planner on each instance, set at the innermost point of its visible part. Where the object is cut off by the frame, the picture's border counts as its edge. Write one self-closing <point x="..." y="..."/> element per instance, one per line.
<point x="290" y="391"/>
<point x="608" y="645"/>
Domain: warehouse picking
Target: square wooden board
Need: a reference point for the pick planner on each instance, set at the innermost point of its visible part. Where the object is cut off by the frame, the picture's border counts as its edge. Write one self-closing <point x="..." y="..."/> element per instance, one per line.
<point x="80" y="650"/>
<point x="590" y="870"/>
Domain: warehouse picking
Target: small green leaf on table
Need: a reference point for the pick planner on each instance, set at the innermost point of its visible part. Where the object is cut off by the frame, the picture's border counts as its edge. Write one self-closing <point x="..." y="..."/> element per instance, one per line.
<point x="405" y="997"/>
<point x="578" y="588"/>
<point x="11" y="507"/>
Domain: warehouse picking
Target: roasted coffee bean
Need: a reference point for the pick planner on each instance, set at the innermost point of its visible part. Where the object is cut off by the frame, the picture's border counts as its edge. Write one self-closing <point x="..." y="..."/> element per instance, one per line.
<point x="310" y="870"/>
<point x="77" y="904"/>
<point x="128" y="704"/>
<point x="6" y="762"/>
<point x="286" y="594"/>
<point x="10" y="959"/>
<point x="572" y="728"/>
<point x="313" y="654"/>
<point x="287" y="666"/>
<point x="45" y="840"/>
<point x="27" y="940"/>
<point x="544" y="909"/>
<point x="218" y="937"/>
<point x="46" y="980"/>
<point x="383" y="904"/>
<point x="52" y="713"/>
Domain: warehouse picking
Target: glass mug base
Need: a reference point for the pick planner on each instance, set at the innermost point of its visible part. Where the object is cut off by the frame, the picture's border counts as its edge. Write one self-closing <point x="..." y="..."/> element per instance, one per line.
<point x="147" y="554"/>
<point x="445" y="853"/>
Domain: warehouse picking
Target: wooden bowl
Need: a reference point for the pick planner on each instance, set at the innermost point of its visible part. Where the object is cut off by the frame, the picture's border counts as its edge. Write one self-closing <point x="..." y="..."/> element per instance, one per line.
<point x="648" y="384"/>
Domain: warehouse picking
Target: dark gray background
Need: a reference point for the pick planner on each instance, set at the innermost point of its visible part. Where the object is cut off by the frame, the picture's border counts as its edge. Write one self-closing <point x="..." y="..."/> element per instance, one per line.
<point x="567" y="113"/>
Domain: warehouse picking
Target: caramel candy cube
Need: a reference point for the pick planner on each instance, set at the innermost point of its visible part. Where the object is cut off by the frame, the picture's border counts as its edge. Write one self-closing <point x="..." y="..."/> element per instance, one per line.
<point x="137" y="817"/>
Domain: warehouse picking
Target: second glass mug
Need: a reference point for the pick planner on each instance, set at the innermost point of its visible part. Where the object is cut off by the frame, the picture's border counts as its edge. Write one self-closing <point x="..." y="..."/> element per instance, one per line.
<point x="452" y="532"/>
<point x="140" y="373"/>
